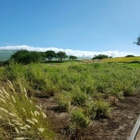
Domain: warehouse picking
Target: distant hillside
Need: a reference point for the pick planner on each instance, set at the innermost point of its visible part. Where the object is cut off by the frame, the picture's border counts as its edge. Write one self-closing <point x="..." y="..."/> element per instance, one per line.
<point x="5" y="54"/>
<point x="84" y="58"/>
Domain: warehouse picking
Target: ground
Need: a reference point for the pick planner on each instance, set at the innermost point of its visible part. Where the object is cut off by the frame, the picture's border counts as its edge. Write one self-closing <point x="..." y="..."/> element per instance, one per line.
<point x="118" y="127"/>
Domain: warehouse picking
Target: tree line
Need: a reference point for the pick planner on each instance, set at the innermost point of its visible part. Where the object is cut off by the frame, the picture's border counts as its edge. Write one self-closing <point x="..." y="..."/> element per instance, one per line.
<point x="26" y="57"/>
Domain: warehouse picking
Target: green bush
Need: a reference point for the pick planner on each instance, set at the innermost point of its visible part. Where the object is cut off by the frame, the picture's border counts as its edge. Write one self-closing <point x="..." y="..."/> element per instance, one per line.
<point x="100" y="109"/>
<point x="100" y="56"/>
<point x="78" y="97"/>
<point x="64" y="101"/>
<point x="135" y="61"/>
<point x="79" y="118"/>
<point x="130" y="55"/>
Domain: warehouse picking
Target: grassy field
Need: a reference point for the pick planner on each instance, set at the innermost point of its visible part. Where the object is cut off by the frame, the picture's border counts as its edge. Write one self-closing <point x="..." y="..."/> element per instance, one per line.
<point x="121" y="59"/>
<point x="87" y="91"/>
<point x="136" y="65"/>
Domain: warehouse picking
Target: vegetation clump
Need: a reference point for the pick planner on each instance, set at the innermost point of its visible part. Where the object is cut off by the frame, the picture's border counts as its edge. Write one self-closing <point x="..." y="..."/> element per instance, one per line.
<point x="61" y="55"/>
<point x="20" y="118"/>
<point x="130" y="55"/>
<point x="26" y="57"/>
<point x="100" y="56"/>
<point x="50" y="55"/>
<point x="72" y="57"/>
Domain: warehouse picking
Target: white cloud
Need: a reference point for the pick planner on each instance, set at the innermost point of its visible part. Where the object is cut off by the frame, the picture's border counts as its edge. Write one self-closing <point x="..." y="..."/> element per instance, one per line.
<point x="77" y="53"/>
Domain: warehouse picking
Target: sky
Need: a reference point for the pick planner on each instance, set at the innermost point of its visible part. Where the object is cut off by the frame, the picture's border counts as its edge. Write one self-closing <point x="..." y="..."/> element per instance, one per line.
<point x="78" y="27"/>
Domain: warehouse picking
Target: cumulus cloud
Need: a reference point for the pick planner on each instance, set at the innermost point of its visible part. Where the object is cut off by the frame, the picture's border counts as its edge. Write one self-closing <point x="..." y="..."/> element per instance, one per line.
<point x="77" y="53"/>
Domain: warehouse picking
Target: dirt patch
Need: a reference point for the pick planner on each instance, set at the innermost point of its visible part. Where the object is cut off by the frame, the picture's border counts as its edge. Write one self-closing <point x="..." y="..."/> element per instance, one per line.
<point x="123" y="118"/>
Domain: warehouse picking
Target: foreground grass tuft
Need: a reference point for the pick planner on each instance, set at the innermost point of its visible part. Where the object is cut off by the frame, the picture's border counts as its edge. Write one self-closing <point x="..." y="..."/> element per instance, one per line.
<point x="20" y="119"/>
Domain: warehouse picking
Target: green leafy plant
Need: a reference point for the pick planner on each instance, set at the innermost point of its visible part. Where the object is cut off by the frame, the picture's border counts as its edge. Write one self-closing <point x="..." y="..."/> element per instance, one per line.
<point x="78" y="97"/>
<point x="64" y="101"/>
<point x="102" y="109"/>
<point x="79" y="118"/>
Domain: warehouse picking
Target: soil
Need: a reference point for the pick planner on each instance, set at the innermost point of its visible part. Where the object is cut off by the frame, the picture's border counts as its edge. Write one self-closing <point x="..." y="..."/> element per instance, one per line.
<point x="118" y="127"/>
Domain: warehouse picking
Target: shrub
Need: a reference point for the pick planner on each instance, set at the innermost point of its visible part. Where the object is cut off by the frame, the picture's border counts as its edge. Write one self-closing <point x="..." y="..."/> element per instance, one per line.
<point x="102" y="109"/>
<point x="130" y="55"/>
<point x="100" y="56"/>
<point x="79" y="118"/>
<point x="98" y="109"/>
<point x="64" y="101"/>
<point x="135" y="61"/>
<point x="78" y="97"/>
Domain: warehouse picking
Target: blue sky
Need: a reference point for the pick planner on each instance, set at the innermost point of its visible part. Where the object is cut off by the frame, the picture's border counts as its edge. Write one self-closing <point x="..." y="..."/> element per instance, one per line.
<point x="81" y="27"/>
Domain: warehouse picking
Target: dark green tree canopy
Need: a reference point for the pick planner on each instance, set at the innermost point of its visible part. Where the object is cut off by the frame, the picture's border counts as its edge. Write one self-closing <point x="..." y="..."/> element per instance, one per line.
<point x="26" y="57"/>
<point x="129" y="55"/>
<point x="138" y="41"/>
<point x="100" y="56"/>
<point x="61" y="55"/>
<point x="72" y="57"/>
<point x="43" y="55"/>
<point x="50" y="54"/>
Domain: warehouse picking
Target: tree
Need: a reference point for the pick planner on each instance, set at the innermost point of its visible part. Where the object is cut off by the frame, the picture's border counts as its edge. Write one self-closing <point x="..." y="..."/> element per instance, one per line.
<point x="50" y="54"/>
<point x="61" y="55"/>
<point x="26" y="57"/>
<point x="100" y="56"/>
<point x="72" y="57"/>
<point x="129" y="55"/>
<point x="138" y="41"/>
<point x="43" y="55"/>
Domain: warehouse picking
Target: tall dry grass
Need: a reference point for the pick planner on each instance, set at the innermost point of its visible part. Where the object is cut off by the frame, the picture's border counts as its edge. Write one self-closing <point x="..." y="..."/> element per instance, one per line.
<point x="20" y="119"/>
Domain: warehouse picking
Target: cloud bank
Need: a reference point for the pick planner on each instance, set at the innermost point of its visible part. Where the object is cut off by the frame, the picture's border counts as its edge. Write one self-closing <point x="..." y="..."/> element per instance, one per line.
<point x="77" y="53"/>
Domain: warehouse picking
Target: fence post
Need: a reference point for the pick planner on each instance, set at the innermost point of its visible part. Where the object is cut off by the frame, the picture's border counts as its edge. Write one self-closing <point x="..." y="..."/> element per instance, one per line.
<point x="135" y="130"/>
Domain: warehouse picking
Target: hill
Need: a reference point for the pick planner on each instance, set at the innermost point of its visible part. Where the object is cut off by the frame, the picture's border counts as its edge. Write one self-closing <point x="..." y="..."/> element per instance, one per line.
<point x="6" y="54"/>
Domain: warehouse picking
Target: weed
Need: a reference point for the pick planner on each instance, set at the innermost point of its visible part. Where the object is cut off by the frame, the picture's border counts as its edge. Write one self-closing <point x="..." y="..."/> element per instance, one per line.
<point x="79" y="118"/>
<point x="64" y="101"/>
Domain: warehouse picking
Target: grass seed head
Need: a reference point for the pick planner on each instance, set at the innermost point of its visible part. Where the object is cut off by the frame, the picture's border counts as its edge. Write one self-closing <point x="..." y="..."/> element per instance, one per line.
<point x="11" y="114"/>
<point x="32" y="113"/>
<point x="17" y="131"/>
<point x="44" y="115"/>
<point x="4" y="110"/>
<point x="36" y="113"/>
<point x="5" y="92"/>
<point x="3" y="100"/>
<point x="41" y="129"/>
<point x="23" y="128"/>
<point x="27" y="126"/>
<point x="30" y="121"/>
<point x="30" y="101"/>
<point x="35" y="120"/>
<point x="19" y="124"/>
<point x="38" y="107"/>
<point x="23" y="109"/>
<point x="13" y="98"/>
<point x="2" y="96"/>
<point x="11" y="124"/>
<point x="21" y="138"/>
